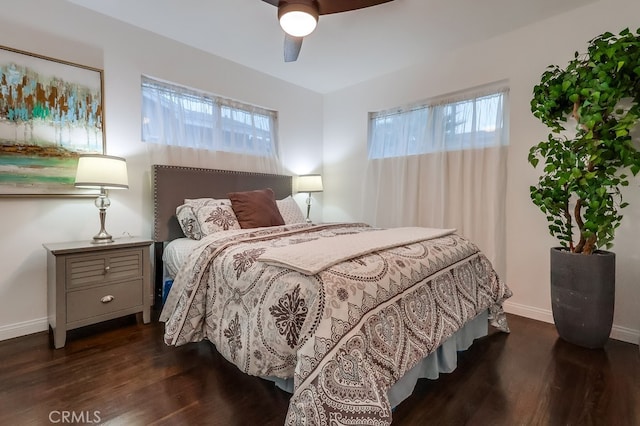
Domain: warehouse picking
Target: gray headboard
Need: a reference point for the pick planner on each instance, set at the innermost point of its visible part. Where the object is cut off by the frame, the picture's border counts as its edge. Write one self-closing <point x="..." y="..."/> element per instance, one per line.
<point x="172" y="184"/>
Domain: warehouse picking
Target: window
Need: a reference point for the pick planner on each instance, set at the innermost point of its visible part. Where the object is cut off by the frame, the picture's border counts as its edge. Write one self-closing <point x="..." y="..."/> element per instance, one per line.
<point x="470" y="120"/>
<point x="177" y="116"/>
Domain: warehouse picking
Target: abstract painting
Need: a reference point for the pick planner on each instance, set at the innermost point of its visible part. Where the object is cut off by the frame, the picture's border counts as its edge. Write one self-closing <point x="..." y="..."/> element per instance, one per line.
<point x="51" y="111"/>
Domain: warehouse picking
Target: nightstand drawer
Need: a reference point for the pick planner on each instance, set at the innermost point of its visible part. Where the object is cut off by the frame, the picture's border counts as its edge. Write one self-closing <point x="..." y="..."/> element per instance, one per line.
<point x="91" y="302"/>
<point x="103" y="268"/>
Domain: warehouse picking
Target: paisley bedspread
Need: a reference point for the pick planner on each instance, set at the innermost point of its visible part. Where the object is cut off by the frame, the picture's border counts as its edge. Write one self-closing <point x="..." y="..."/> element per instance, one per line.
<point x="345" y="334"/>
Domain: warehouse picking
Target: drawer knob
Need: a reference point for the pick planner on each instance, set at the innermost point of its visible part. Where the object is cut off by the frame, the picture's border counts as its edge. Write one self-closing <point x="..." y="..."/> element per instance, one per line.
<point x="106" y="269"/>
<point x="106" y="299"/>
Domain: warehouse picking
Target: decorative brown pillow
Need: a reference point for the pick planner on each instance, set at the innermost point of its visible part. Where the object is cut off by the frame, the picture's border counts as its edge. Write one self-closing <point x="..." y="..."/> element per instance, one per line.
<point x="255" y="209"/>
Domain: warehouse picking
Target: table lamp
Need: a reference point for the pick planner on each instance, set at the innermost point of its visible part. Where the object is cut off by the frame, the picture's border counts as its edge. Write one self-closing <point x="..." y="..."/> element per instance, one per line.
<point x="103" y="172"/>
<point x="309" y="183"/>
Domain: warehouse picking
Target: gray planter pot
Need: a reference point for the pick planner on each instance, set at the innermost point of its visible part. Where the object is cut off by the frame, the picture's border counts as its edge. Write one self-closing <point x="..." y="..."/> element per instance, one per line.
<point x="583" y="296"/>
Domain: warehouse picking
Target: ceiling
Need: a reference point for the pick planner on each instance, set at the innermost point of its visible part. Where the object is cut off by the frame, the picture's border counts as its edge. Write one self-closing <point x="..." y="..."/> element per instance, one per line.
<point x="346" y="48"/>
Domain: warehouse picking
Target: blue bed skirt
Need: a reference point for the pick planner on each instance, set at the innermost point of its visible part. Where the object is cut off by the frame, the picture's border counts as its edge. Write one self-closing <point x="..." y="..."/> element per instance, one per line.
<point x="443" y="360"/>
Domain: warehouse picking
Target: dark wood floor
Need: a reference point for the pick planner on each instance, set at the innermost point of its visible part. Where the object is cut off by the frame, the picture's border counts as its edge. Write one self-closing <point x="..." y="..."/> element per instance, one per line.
<point x="121" y="373"/>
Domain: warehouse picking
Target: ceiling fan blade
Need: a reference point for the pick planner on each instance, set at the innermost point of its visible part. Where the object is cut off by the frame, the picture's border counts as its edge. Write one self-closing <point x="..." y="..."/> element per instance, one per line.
<point x="326" y="7"/>
<point x="292" y="47"/>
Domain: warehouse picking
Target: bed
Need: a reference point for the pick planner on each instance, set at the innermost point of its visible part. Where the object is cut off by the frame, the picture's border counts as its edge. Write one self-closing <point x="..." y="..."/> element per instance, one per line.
<point x="346" y="317"/>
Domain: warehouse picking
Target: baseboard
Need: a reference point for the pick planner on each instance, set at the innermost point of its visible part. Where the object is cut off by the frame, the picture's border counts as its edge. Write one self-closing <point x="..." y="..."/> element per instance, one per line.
<point x="623" y="334"/>
<point x="23" y="328"/>
<point x="528" y="312"/>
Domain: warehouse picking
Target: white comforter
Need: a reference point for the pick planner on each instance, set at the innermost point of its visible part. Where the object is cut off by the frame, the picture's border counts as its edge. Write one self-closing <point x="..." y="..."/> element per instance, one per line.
<point x="313" y="256"/>
<point x="345" y="334"/>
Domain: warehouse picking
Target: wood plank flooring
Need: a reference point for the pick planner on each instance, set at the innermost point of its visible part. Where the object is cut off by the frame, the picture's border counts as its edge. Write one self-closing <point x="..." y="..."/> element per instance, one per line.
<point x="121" y="373"/>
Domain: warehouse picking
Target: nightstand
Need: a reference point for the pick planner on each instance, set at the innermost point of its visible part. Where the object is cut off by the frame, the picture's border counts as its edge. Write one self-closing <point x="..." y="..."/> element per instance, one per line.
<point x="89" y="283"/>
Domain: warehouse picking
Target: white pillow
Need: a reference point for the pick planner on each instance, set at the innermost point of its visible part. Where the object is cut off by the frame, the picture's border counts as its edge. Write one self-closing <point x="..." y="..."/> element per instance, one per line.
<point x="290" y="211"/>
<point x="199" y="202"/>
<point x="212" y="218"/>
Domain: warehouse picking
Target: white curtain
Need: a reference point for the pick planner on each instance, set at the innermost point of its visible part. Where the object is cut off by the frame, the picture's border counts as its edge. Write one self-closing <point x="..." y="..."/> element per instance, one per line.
<point x="186" y="127"/>
<point x="443" y="164"/>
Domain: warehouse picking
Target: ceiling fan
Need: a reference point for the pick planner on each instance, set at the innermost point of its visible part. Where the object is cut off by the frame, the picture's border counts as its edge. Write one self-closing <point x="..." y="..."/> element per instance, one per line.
<point x="298" y="18"/>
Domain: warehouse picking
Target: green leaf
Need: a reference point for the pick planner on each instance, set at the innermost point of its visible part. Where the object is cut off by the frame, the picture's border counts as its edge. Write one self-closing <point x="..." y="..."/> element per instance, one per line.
<point x="588" y="163"/>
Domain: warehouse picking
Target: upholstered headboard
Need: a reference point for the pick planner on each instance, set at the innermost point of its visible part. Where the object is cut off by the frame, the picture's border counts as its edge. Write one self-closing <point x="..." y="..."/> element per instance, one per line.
<point x="172" y="184"/>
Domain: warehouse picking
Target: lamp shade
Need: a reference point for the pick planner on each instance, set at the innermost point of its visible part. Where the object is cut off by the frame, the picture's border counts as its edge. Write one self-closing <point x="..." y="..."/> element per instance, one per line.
<point x="101" y="171"/>
<point x="298" y="19"/>
<point x="310" y="183"/>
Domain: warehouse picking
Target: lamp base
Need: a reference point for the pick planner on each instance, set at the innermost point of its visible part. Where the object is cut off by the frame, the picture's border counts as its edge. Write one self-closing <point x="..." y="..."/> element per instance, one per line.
<point x="102" y="202"/>
<point x="102" y="238"/>
<point x="308" y="219"/>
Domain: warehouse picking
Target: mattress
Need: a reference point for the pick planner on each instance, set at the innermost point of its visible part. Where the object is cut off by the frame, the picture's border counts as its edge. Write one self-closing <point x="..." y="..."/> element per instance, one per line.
<point x="175" y="254"/>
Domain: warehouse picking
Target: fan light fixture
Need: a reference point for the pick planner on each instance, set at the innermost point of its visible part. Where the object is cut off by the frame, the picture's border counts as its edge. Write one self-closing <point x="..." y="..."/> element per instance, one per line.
<point x="102" y="172"/>
<point x="298" y="19"/>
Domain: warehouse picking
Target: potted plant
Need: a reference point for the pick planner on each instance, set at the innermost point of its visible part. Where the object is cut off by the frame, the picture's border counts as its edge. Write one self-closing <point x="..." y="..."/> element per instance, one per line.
<point x="590" y="106"/>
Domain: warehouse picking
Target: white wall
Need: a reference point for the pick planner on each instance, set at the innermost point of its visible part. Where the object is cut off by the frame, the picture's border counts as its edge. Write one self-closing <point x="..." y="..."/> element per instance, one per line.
<point x="61" y="30"/>
<point x="58" y="29"/>
<point x="520" y="57"/>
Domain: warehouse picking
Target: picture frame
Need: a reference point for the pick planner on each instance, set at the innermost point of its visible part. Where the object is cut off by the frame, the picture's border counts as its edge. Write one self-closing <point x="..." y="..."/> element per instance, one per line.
<point x="51" y="111"/>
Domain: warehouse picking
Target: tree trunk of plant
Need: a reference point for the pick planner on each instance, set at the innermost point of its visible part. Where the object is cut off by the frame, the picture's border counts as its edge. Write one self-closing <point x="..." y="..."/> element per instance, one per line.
<point x="583" y="296"/>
